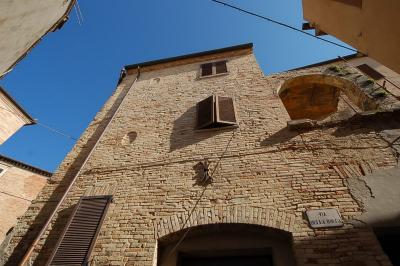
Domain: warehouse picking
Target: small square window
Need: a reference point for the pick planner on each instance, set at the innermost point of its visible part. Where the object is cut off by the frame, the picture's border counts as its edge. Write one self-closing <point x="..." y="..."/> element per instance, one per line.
<point x="220" y="67"/>
<point x="216" y="112"/>
<point x="366" y="69"/>
<point x="215" y="68"/>
<point x="206" y="69"/>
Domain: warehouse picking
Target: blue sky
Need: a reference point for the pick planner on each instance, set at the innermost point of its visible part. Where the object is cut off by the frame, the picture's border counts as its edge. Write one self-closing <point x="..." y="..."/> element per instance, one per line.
<point x="66" y="79"/>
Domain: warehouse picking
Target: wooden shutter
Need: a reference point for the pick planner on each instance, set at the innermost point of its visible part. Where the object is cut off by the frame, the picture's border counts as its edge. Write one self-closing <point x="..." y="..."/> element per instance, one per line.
<point x="225" y="110"/>
<point x="78" y="238"/>
<point x="220" y="67"/>
<point x="205" y="112"/>
<point x="366" y="69"/>
<point x="206" y="69"/>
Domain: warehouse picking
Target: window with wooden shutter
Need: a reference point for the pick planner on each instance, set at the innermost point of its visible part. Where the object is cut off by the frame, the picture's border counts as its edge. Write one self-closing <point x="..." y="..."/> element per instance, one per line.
<point x="206" y="69"/>
<point x="226" y="110"/>
<point x="205" y="112"/>
<point x="79" y="236"/>
<point x="212" y="69"/>
<point x="216" y="112"/>
<point x="220" y="67"/>
<point x="366" y="69"/>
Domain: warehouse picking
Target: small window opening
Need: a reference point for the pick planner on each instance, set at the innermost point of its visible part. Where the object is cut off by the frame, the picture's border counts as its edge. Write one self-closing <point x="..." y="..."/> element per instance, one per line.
<point x="129" y="138"/>
<point x="216" y="112"/>
<point x="206" y="69"/>
<point x="220" y="67"/>
<point x="215" y="68"/>
<point x="366" y="69"/>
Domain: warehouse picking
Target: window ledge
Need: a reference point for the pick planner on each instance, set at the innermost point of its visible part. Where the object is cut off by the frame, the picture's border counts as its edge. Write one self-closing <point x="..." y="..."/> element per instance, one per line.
<point x="217" y="128"/>
<point x="212" y="76"/>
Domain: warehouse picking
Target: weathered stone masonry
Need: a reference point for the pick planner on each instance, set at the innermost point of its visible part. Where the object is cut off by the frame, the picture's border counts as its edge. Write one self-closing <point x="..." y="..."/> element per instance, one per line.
<point x="268" y="175"/>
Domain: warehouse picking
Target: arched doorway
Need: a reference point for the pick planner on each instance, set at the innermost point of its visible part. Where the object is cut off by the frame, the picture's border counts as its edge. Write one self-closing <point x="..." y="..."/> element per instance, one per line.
<point x="226" y="244"/>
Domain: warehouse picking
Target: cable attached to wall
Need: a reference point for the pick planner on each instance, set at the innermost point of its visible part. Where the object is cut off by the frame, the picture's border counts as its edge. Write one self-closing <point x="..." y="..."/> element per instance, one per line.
<point x="52" y="129"/>
<point x="201" y="196"/>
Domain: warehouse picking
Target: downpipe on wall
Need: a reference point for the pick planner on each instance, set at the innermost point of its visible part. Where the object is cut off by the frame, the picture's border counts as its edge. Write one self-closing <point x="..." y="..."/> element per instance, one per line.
<point x="48" y="221"/>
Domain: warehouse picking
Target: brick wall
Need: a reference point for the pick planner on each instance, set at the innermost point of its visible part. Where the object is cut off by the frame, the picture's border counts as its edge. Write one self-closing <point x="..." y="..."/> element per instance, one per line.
<point x="262" y="168"/>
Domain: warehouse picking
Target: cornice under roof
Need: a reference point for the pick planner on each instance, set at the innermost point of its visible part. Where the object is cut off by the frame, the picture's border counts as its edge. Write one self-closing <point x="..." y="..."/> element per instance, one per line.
<point x="170" y="59"/>
<point x="19" y="107"/>
<point x="25" y="166"/>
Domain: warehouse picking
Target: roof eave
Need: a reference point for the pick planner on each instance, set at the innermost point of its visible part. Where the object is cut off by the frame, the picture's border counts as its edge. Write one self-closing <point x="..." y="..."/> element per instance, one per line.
<point x="31" y="120"/>
<point x="176" y="58"/>
<point x="25" y="166"/>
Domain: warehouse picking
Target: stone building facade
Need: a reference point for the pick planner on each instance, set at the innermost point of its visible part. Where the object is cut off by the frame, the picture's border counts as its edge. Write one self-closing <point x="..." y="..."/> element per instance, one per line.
<point x="233" y="192"/>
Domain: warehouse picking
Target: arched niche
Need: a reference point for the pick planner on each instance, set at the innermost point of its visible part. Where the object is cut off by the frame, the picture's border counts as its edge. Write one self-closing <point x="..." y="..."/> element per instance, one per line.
<point x="226" y="244"/>
<point x="316" y="96"/>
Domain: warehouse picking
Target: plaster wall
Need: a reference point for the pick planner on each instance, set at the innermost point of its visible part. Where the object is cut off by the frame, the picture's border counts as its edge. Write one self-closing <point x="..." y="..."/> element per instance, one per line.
<point x="23" y="23"/>
<point x="371" y="29"/>
<point x="265" y="173"/>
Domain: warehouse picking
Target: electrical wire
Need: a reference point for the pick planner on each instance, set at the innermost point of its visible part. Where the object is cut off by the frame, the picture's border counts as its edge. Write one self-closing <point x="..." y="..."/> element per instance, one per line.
<point x="15" y="196"/>
<point x="199" y="199"/>
<point x="78" y="13"/>
<point x="77" y="16"/>
<point x="55" y="131"/>
<point x="285" y="25"/>
<point x="45" y="126"/>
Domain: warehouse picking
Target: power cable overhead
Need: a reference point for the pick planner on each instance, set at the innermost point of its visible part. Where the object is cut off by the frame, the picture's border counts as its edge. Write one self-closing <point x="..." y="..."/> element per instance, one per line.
<point x="285" y="25"/>
<point x="59" y="132"/>
<point x="56" y="131"/>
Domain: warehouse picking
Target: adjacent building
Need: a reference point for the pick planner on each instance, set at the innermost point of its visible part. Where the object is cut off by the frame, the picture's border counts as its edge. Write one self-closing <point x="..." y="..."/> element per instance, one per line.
<point x="368" y="25"/>
<point x="19" y="182"/>
<point x="19" y="185"/>
<point x="24" y="23"/>
<point x="12" y="116"/>
<point x="201" y="159"/>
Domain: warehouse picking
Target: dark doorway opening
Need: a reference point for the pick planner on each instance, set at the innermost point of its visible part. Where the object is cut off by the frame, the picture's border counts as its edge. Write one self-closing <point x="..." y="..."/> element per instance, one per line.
<point x="248" y="257"/>
<point x="389" y="238"/>
<point x="228" y="261"/>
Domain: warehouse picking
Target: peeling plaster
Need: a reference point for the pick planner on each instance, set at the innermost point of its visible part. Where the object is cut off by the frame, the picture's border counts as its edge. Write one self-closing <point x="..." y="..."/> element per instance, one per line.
<point x="379" y="196"/>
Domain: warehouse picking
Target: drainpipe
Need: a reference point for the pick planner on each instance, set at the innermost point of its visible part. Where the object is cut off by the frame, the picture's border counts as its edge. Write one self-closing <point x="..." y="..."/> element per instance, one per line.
<point x="44" y="228"/>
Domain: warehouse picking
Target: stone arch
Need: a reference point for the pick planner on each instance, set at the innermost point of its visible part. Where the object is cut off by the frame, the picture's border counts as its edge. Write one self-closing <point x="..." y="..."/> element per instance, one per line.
<point x="227" y="215"/>
<point x="316" y="96"/>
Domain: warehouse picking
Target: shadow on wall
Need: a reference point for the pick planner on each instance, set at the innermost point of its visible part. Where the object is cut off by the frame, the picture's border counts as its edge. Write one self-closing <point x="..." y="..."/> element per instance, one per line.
<point x="184" y="133"/>
<point x="53" y="236"/>
<point x="385" y="123"/>
<point x="362" y="124"/>
<point x="282" y="136"/>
